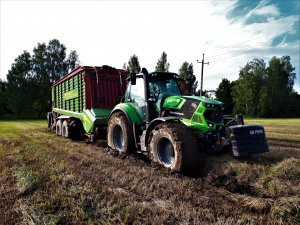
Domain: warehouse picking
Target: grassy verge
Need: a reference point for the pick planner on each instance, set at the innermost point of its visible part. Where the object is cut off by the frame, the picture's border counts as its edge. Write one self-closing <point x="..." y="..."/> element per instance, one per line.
<point x="46" y="179"/>
<point x="275" y="122"/>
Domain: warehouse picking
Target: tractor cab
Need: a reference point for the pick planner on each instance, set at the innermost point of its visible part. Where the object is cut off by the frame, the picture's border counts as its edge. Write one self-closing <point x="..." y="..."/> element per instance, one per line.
<point x="158" y="87"/>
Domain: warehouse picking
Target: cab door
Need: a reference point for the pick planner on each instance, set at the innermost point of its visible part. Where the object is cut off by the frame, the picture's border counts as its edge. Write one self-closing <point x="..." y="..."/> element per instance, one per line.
<point x="135" y="97"/>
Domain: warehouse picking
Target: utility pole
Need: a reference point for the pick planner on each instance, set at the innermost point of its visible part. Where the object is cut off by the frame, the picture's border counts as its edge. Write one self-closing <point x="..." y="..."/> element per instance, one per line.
<point x="202" y="62"/>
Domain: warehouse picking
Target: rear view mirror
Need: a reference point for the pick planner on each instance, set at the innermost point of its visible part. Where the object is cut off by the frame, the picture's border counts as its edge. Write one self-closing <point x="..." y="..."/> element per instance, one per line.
<point x="145" y="71"/>
<point x="133" y="78"/>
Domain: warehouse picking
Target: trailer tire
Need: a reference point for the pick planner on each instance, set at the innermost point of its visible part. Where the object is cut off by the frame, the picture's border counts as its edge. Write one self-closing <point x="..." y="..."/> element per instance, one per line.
<point x="120" y="133"/>
<point x="58" y="127"/>
<point x="65" y="129"/>
<point x="75" y="129"/>
<point x="173" y="146"/>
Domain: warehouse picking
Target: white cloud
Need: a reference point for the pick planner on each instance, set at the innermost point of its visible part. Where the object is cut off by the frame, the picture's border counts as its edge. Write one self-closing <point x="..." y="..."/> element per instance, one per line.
<point x="259" y="5"/>
<point x="269" y="10"/>
<point x="273" y="27"/>
<point x="109" y="32"/>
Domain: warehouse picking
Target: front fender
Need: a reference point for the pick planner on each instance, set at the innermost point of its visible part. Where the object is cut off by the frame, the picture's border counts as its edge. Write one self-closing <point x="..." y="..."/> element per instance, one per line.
<point x="129" y="111"/>
<point x="157" y="121"/>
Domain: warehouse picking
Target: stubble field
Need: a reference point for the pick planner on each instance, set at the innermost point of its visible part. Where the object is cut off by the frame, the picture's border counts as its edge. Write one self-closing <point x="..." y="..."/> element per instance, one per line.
<point x="46" y="179"/>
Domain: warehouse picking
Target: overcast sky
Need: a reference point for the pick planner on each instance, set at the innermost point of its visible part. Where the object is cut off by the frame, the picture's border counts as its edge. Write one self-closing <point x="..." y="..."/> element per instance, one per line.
<point x="230" y="33"/>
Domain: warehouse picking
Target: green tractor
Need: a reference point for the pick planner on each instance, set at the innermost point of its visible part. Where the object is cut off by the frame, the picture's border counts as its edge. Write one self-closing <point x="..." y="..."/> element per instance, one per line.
<point x="154" y="117"/>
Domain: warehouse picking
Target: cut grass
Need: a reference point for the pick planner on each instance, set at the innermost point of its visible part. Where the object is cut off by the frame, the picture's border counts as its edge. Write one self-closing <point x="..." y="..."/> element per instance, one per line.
<point x="28" y="181"/>
<point x="46" y="179"/>
<point x="294" y="122"/>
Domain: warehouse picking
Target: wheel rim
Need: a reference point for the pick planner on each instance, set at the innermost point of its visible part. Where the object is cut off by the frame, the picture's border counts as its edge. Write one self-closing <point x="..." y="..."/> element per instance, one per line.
<point x="118" y="139"/>
<point x="165" y="152"/>
<point x="63" y="132"/>
<point x="58" y="129"/>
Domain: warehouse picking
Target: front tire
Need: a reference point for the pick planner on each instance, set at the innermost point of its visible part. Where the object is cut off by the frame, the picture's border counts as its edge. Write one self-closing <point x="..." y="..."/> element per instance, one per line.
<point x="120" y="134"/>
<point x="174" y="147"/>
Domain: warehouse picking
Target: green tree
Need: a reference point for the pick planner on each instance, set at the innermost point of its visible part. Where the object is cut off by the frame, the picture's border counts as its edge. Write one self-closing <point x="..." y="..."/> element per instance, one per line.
<point x="133" y="65"/>
<point x="280" y="81"/>
<point x="266" y="91"/>
<point x="30" y="78"/>
<point x="162" y="63"/>
<point x="293" y="104"/>
<point x="72" y="61"/>
<point x="50" y="63"/>
<point x="186" y="72"/>
<point x="248" y="93"/>
<point x="223" y="94"/>
<point x="20" y="84"/>
<point x="3" y="99"/>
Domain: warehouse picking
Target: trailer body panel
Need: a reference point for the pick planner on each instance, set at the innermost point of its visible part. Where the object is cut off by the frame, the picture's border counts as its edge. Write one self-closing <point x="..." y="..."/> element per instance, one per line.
<point x="89" y="94"/>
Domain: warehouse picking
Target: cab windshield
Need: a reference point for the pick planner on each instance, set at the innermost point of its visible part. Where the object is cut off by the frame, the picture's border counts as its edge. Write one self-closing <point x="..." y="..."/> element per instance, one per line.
<point x="169" y="86"/>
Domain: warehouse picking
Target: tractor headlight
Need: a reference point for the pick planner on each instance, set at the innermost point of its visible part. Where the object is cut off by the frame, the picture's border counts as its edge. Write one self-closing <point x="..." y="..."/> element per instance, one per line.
<point x="209" y="105"/>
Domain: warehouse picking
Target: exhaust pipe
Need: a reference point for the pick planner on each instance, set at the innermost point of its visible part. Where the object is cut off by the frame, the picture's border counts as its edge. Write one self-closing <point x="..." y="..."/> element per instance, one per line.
<point x="146" y="93"/>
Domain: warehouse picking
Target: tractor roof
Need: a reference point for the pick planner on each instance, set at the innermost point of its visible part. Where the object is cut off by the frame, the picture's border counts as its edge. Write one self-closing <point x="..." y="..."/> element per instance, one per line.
<point x="163" y="75"/>
<point x="159" y="75"/>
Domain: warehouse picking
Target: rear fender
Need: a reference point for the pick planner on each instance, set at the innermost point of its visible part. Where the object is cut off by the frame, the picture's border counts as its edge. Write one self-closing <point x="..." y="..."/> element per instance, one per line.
<point x="88" y="120"/>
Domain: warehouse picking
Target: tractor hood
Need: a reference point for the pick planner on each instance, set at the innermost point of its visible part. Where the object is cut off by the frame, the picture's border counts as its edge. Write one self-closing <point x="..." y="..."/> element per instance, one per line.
<point x="176" y="102"/>
<point x="194" y="110"/>
<point x="204" y="100"/>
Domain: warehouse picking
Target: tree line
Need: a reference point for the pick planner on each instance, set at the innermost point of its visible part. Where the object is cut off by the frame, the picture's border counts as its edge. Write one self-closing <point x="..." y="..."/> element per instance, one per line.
<point x="260" y="90"/>
<point x="185" y="72"/>
<point x="27" y="91"/>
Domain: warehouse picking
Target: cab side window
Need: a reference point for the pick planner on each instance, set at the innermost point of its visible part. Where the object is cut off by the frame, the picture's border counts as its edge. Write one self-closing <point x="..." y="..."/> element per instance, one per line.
<point x="137" y="91"/>
<point x="127" y="93"/>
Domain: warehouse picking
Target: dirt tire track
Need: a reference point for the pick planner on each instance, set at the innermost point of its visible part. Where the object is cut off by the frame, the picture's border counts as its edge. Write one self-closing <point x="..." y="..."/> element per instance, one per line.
<point x="135" y="188"/>
<point x="97" y="184"/>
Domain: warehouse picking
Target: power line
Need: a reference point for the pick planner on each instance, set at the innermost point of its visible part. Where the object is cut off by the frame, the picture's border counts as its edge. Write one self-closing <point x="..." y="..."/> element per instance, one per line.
<point x="244" y="41"/>
<point x="228" y="47"/>
<point x="259" y="44"/>
<point x="216" y="60"/>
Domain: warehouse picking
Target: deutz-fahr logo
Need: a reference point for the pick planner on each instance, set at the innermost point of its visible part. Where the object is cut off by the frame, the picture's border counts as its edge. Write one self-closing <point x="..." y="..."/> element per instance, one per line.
<point x="176" y="113"/>
<point x="253" y="132"/>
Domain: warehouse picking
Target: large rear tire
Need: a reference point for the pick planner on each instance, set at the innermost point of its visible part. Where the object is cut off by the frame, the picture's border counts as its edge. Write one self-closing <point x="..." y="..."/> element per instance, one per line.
<point x="120" y="133"/>
<point x="174" y="147"/>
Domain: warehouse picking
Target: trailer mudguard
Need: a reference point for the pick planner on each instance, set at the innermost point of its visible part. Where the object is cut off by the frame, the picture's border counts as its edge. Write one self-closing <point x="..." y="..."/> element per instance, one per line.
<point x="247" y="139"/>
